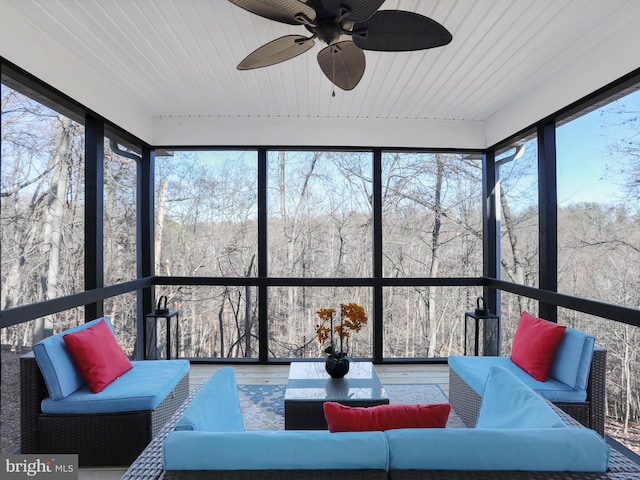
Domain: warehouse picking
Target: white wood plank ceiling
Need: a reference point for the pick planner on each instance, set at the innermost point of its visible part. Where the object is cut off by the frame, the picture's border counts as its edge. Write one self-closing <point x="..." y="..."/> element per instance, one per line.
<point x="165" y="70"/>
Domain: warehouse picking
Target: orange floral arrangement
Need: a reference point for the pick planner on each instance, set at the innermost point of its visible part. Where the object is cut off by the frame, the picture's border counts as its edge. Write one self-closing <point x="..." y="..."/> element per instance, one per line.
<point x="352" y="319"/>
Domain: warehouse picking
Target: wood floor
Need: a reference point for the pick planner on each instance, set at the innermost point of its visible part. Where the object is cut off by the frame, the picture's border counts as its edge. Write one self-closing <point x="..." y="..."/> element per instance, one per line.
<point x="277" y="375"/>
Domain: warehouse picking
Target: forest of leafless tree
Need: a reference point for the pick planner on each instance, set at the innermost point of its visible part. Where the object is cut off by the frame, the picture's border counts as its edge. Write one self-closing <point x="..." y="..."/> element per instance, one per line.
<point x="319" y="226"/>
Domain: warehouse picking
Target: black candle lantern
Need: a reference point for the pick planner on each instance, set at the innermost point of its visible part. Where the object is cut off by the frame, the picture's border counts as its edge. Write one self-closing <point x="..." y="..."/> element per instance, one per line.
<point x="171" y="318"/>
<point x="486" y="325"/>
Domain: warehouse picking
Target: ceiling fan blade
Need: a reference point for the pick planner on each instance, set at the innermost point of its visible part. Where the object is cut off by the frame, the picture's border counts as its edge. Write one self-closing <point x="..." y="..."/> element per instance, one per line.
<point x="399" y="31"/>
<point x="284" y="11"/>
<point x="343" y="63"/>
<point x="353" y="10"/>
<point x="276" y="51"/>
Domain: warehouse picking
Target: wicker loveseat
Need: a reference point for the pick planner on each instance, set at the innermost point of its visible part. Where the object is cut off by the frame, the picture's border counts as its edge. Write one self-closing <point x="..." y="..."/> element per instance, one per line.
<point x="109" y="428"/>
<point x="576" y="382"/>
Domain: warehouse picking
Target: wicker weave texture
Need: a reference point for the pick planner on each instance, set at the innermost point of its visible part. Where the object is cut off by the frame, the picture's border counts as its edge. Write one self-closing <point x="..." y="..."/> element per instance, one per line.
<point x="150" y="463"/>
<point x="277" y="475"/>
<point x="108" y="439"/>
<point x="596" y="390"/>
<point x="463" y="399"/>
<point x="32" y="391"/>
<point x="505" y="475"/>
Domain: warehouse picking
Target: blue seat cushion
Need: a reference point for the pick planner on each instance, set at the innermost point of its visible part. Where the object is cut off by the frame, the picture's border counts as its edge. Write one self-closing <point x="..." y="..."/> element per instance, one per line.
<point x="54" y="360"/>
<point x="216" y="407"/>
<point x="143" y="387"/>
<point x="475" y="371"/>
<point x="275" y="450"/>
<point x="543" y="449"/>
<point x="509" y="403"/>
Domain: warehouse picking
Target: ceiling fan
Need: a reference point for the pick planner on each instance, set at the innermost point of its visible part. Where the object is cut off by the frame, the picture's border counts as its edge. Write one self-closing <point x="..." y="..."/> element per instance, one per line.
<point x="342" y="61"/>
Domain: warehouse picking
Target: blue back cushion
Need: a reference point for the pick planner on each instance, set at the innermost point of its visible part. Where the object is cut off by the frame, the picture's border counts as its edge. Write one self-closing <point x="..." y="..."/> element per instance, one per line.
<point x="509" y="403"/>
<point x="572" y="362"/>
<point x="216" y="407"/>
<point x="59" y="372"/>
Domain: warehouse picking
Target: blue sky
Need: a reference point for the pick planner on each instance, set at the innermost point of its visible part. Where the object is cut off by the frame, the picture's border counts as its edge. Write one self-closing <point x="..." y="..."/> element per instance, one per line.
<point x="585" y="157"/>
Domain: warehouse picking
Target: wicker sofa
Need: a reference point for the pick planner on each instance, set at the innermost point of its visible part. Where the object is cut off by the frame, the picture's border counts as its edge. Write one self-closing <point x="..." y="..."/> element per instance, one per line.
<point x="208" y="441"/>
<point x="150" y="466"/>
<point x="109" y="428"/>
<point x="576" y="382"/>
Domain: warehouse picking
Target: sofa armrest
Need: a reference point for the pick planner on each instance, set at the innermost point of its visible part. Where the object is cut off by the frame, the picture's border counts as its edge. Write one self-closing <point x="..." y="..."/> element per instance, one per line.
<point x="32" y="391"/>
<point x="591" y="413"/>
<point x="596" y="389"/>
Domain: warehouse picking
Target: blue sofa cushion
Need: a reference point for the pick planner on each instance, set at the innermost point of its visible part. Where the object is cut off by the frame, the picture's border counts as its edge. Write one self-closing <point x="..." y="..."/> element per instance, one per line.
<point x="475" y="370"/>
<point x="275" y="450"/>
<point x="553" y="449"/>
<point x="54" y="360"/>
<point x="509" y="403"/>
<point x="216" y="407"/>
<point x="572" y="362"/>
<point x="143" y="387"/>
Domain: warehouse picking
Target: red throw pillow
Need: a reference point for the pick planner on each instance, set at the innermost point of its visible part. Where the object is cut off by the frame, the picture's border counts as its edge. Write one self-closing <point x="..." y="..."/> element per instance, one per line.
<point x="534" y="345"/>
<point x="97" y="355"/>
<point x="341" y="418"/>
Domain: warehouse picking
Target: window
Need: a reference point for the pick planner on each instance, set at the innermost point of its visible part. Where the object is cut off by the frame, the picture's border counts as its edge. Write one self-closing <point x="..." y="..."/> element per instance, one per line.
<point x="120" y="174"/>
<point x="293" y="320"/>
<point x="42" y="216"/>
<point x="599" y="203"/>
<point x="320" y="214"/>
<point x="431" y="215"/>
<point x="206" y="214"/>
<point x="517" y="168"/>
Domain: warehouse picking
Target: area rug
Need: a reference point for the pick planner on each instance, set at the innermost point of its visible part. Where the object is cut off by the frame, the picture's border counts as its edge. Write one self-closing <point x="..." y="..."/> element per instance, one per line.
<point x="263" y="405"/>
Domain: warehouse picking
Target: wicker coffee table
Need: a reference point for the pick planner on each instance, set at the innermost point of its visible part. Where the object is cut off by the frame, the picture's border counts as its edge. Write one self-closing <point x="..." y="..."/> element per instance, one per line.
<point x="309" y="386"/>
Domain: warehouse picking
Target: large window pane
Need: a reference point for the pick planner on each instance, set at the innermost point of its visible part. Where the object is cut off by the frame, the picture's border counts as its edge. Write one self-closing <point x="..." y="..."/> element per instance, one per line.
<point x="426" y="322"/>
<point x="214" y="322"/>
<point x="320" y="214"/>
<point x="42" y="217"/>
<point x="120" y="174"/>
<point x="432" y="215"/>
<point x="518" y="174"/>
<point x="599" y="204"/>
<point x="293" y="320"/>
<point x="512" y="308"/>
<point x="206" y="214"/>
<point x="122" y="312"/>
